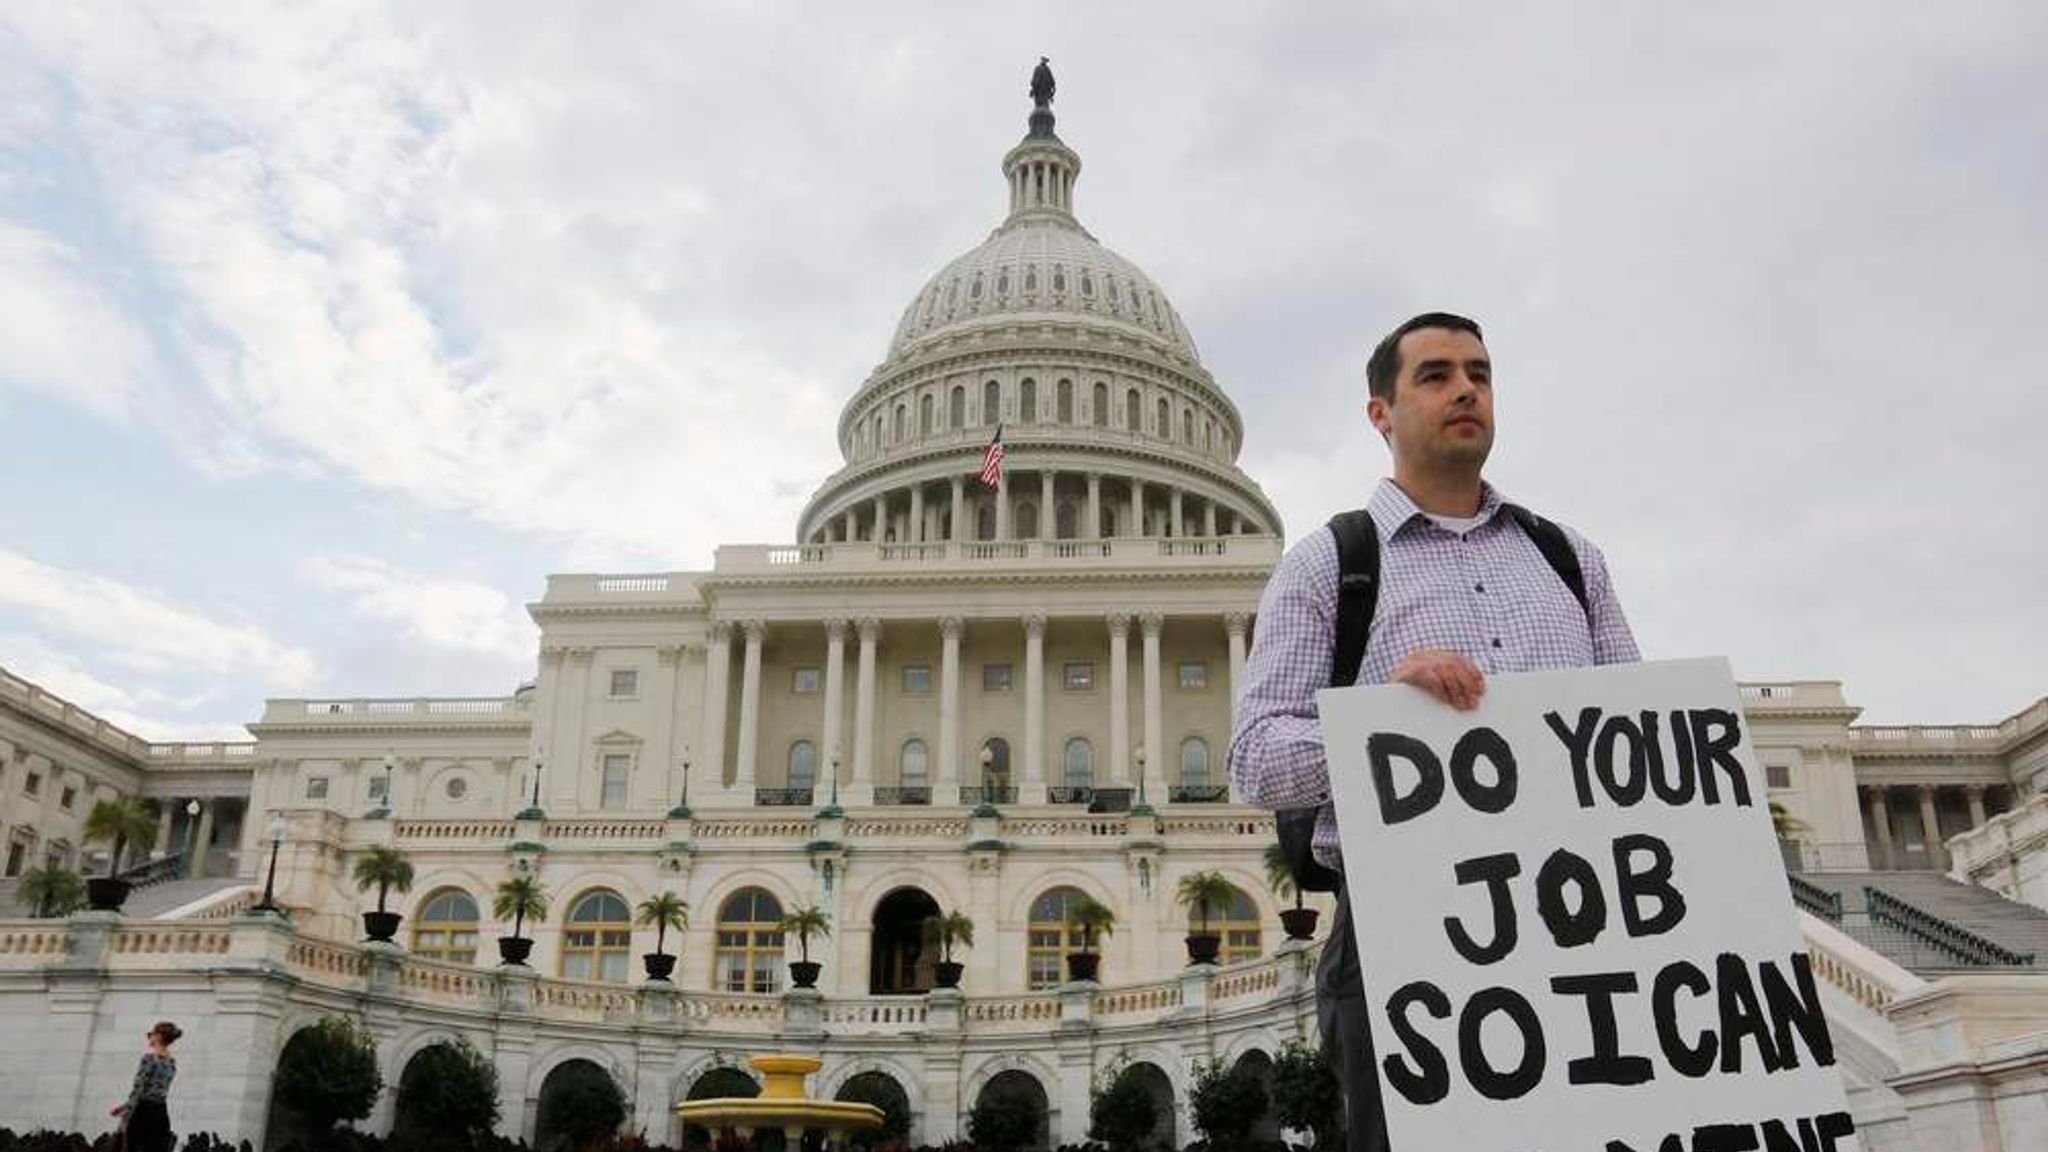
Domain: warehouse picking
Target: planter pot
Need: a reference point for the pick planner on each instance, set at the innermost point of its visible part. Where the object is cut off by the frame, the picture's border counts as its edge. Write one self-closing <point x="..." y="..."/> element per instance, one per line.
<point x="514" y="949"/>
<point x="106" y="893"/>
<point x="804" y="973"/>
<point x="659" y="965"/>
<point x="1299" y="922"/>
<point x="1083" y="965"/>
<point x="1203" y="947"/>
<point x="381" y="926"/>
<point x="946" y="974"/>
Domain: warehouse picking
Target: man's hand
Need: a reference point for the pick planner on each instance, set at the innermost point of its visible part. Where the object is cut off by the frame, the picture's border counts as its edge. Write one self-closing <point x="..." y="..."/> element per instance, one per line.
<point x="1447" y="676"/>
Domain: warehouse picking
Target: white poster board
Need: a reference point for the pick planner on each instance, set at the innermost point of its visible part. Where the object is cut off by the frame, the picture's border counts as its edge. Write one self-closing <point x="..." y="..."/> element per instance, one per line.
<point x="1573" y="919"/>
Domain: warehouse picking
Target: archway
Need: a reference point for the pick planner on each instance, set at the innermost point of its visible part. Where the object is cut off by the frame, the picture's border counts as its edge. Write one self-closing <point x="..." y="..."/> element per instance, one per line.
<point x="284" y="1125"/>
<point x="883" y="1091"/>
<point x="902" y="953"/>
<point x="447" y="1096"/>
<point x="1016" y="1093"/>
<point x="1159" y="1088"/>
<point x="1260" y="1066"/>
<point x="721" y="1083"/>
<point x="579" y="1102"/>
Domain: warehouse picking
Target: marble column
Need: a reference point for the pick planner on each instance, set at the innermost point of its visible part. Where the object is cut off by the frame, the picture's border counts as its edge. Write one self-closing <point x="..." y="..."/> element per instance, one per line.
<point x="960" y="531"/>
<point x="749" y="747"/>
<point x="1093" y="530"/>
<point x="201" y="844"/>
<point x="1208" y="518"/>
<point x="1930" y="829"/>
<point x="881" y="517"/>
<point x="864" y="709"/>
<point x="1003" y="505"/>
<point x="1032" y="789"/>
<point x="1234" y="626"/>
<point x="947" y="790"/>
<point x="164" y="809"/>
<point x="1177" y="526"/>
<point x="1046" y="518"/>
<point x="717" y="682"/>
<point x="1137" y="525"/>
<point x="835" y="691"/>
<point x="1155" y="728"/>
<point x="1119" y="699"/>
<point x="916" y="533"/>
<point x="851" y="531"/>
<point x="1975" y="795"/>
<point x="1881" y="819"/>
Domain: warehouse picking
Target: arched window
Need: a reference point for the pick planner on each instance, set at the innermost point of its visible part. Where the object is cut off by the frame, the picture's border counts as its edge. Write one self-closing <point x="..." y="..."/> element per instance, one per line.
<point x="1066" y="520"/>
<point x="1237" y="921"/>
<point x="1134" y="419"/>
<point x="1063" y="402"/>
<point x="1164" y="425"/>
<point x="445" y="928"/>
<point x="1049" y="937"/>
<point x="1099" y="414"/>
<point x="956" y="410"/>
<point x="1027" y="520"/>
<point x="1194" y="762"/>
<point x="924" y="415"/>
<point x="985" y="520"/>
<point x="749" y="953"/>
<point x="598" y="938"/>
<point x="991" y="402"/>
<point x="1027" y="402"/>
<point x="996" y="772"/>
<point x="913" y="766"/>
<point x="1187" y="426"/>
<point x="896" y="429"/>
<point x="1077" y="763"/>
<point x="803" y="764"/>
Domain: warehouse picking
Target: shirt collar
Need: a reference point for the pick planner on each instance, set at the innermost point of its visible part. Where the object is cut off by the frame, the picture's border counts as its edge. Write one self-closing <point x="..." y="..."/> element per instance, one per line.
<point x="1392" y="509"/>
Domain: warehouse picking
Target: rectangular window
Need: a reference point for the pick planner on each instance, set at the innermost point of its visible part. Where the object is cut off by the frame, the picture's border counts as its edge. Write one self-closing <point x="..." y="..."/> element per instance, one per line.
<point x="1078" y="676"/>
<point x="625" y="683"/>
<point x="380" y="786"/>
<point x="316" y="787"/>
<point x="67" y="798"/>
<point x="804" y="681"/>
<point x="1778" y="775"/>
<point x="33" y="784"/>
<point x="1194" y="675"/>
<point x="917" y="678"/>
<point x="995" y="677"/>
<point x="16" y="853"/>
<point x="614" y="793"/>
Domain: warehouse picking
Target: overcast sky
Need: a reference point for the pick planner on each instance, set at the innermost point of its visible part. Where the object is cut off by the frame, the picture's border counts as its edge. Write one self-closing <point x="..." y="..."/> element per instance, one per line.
<point x="327" y="332"/>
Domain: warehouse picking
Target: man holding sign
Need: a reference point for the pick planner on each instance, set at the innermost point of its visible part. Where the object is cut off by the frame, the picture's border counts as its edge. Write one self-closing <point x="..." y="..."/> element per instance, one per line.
<point x="1465" y="585"/>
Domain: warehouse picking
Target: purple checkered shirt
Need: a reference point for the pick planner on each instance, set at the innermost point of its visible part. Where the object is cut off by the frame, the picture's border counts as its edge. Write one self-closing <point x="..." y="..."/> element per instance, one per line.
<point x="1488" y="594"/>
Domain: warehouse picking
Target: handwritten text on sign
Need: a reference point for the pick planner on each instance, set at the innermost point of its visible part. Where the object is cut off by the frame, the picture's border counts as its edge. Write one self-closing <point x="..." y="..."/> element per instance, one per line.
<point x="1573" y="921"/>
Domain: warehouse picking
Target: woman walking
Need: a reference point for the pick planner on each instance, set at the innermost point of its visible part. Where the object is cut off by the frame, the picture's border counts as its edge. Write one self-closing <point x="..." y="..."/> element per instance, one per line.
<point x="145" y="1125"/>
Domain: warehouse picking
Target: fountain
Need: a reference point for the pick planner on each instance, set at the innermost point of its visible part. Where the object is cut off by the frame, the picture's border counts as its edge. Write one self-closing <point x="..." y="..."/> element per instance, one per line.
<point x="782" y="1106"/>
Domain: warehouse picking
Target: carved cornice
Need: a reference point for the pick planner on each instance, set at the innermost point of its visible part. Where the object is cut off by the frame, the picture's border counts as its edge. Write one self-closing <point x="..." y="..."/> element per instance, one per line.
<point x="581" y="654"/>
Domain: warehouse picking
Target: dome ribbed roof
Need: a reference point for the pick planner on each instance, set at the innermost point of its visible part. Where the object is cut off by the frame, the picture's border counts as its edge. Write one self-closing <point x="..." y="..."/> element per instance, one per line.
<point x="1041" y="269"/>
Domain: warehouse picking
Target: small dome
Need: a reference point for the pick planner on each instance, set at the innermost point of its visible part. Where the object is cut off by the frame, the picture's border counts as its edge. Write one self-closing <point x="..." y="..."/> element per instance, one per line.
<point x="1041" y="269"/>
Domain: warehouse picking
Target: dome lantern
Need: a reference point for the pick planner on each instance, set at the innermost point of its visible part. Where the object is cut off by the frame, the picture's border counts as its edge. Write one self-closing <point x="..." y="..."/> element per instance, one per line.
<point x="1041" y="169"/>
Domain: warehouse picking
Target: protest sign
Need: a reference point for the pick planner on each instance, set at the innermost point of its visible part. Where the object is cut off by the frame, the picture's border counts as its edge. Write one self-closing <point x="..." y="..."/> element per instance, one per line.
<point x="1574" y="925"/>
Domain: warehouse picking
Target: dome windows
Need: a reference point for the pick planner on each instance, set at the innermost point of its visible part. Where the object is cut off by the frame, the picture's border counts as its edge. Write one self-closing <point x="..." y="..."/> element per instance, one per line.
<point x="1003" y="282"/>
<point x="1087" y="285"/>
<point x="1064" y="402"/>
<point x="1027" y="402"/>
<point x="991" y="402"/>
<point x="1098" y="412"/>
<point x="1059" y="280"/>
<point x="974" y="290"/>
<point x="956" y="410"/>
<point x="1031" y="278"/>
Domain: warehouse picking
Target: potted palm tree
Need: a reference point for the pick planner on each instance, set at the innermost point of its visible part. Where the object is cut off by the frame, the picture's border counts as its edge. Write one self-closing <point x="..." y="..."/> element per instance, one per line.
<point x="804" y="923"/>
<point x="117" y="823"/>
<point x="51" y="890"/>
<point x="1299" y="921"/>
<point x="953" y="928"/>
<point x="662" y="912"/>
<point x="1203" y="894"/>
<point x="1093" y="919"/>
<point x="387" y="870"/>
<point x="519" y="899"/>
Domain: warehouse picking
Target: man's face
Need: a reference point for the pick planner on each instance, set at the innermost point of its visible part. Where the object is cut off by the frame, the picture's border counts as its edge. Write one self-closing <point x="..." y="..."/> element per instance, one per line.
<point x="1442" y="411"/>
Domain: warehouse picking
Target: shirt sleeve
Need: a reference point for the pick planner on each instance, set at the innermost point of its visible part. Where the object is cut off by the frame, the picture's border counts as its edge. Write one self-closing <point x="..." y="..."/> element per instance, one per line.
<point x="141" y="1082"/>
<point x="1276" y="749"/>
<point x="1613" y="642"/>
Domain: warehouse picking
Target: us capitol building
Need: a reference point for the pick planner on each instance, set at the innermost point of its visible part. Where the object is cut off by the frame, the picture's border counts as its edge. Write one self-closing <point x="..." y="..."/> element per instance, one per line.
<point x="941" y="697"/>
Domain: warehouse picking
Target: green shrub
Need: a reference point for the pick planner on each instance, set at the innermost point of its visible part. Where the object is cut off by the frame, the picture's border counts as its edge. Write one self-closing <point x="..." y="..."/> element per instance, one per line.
<point x="1227" y="1102"/>
<point x="447" y="1098"/>
<point x="327" y="1074"/>
<point x="1306" y="1094"/>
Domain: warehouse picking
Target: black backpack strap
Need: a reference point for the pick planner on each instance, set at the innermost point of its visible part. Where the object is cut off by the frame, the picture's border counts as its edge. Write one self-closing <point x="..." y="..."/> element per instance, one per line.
<point x="1358" y="592"/>
<point x="1556" y="548"/>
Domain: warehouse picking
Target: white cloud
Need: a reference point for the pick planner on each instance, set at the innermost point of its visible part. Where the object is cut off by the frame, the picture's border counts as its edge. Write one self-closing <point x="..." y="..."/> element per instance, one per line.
<point x="455" y="615"/>
<point x="59" y="332"/>
<point x="145" y="712"/>
<point x="143" y="631"/>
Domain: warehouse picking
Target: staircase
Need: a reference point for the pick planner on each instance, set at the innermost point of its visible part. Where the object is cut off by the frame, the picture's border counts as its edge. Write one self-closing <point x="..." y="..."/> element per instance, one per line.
<point x="143" y="903"/>
<point x="1928" y="923"/>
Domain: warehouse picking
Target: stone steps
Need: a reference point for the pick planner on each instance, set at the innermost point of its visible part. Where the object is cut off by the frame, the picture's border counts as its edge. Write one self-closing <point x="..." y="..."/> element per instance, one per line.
<point x="2020" y="927"/>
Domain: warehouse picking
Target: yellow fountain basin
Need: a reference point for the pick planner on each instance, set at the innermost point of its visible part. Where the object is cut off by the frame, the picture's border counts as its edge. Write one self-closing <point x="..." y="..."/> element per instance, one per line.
<point x="782" y="1103"/>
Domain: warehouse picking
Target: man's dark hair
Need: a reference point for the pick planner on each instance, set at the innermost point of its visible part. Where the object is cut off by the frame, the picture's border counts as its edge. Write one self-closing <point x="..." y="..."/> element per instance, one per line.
<point x="1385" y="366"/>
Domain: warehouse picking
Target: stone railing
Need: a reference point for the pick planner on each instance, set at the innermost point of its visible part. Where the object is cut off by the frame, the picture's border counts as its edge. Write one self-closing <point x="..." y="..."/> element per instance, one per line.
<point x="1965" y="946"/>
<point x="609" y="831"/>
<point x="1263" y="976"/>
<point x="457" y="983"/>
<point x="1258" y="827"/>
<point x="460" y="831"/>
<point x="1067" y="827"/>
<point x="39" y="940"/>
<point x="1825" y="903"/>
<point x="314" y="957"/>
<point x="1037" y="1011"/>
<point x="2007" y="853"/>
<point x="873" y="1014"/>
<point x="906" y="828"/>
<point x="1796" y="694"/>
<point x="159" y="938"/>
<point x="804" y="829"/>
<point x="575" y="1000"/>
<point x="1155" y="997"/>
<point x="379" y="710"/>
<point x="1858" y="972"/>
<point x="867" y="556"/>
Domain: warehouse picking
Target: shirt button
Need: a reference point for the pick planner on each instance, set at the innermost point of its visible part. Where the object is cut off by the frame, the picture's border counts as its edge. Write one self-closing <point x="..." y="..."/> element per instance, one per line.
<point x="1479" y="587"/>
<point x="1496" y="641"/>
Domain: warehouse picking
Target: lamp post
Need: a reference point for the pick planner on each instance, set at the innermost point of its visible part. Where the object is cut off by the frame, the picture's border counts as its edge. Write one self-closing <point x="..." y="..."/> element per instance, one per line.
<point x="682" y="808"/>
<point x="191" y="834"/>
<point x="1139" y="756"/>
<point x="269" y="903"/>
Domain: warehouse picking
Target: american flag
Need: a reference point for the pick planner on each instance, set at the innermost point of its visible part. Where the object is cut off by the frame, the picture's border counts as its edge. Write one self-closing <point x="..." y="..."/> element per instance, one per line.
<point x="992" y="461"/>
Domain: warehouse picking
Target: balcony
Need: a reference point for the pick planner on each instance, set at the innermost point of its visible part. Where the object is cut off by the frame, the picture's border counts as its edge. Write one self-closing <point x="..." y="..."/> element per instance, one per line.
<point x="1223" y="553"/>
<point x="783" y="797"/>
<point x="1199" y="793"/>
<point x="988" y="794"/>
<point x="1097" y="799"/>
<point x="903" y="796"/>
